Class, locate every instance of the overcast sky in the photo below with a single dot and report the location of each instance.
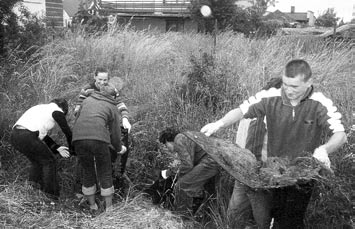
(343, 8)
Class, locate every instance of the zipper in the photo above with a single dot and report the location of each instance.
(293, 113)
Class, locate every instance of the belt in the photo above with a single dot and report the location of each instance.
(19, 127)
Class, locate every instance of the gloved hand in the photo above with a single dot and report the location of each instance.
(126, 124)
(211, 128)
(64, 151)
(321, 155)
(123, 150)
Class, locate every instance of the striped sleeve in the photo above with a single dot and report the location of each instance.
(329, 115)
(253, 100)
(123, 109)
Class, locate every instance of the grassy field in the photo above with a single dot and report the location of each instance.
(158, 70)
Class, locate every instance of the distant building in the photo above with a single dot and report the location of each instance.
(162, 15)
(50, 10)
(57, 13)
(298, 19)
(306, 18)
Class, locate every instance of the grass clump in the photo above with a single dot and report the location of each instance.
(171, 79)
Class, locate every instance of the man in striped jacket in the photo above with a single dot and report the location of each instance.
(296, 117)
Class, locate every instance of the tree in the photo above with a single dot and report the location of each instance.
(327, 19)
(8, 21)
(229, 15)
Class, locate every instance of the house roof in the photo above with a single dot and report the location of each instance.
(278, 15)
(71, 7)
(301, 17)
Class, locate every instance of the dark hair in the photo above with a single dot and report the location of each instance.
(298, 67)
(100, 69)
(62, 103)
(168, 135)
(273, 82)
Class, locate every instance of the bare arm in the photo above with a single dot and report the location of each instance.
(335, 141)
(230, 118)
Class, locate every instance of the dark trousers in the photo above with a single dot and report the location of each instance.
(44, 169)
(290, 205)
(79, 171)
(95, 159)
(191, 183)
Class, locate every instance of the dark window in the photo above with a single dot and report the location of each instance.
(175, 25)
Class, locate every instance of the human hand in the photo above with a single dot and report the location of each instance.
(64, 151)
(211, 128)
(126, 124)
(123, 150)
(321, 155)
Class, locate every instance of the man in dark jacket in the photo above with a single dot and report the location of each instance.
(95, 130)
(296, 116)
(195, 170)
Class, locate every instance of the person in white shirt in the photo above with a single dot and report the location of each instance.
(30, 137)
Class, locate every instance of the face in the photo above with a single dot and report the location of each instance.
(101, 79)
(295, 88)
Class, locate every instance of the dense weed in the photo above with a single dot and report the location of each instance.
(170, 79)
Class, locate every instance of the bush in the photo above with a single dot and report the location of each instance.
(171, 80)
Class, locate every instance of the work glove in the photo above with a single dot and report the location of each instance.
(211, 128)
(123, 150)
(126, 124)
(63, 151)
(321, 155)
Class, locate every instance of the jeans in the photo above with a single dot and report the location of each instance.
(240, 202)
(95, 159)
(44, 168)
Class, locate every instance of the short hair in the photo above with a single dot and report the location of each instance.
(168, 135)
(100, 69)
(62, 103)
(298, 67)
(109, 89)
(275, 82)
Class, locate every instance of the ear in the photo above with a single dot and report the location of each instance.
(309, 82)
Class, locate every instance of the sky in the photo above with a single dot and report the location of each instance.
(343, 8)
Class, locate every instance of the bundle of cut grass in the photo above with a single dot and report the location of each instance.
(243, 166)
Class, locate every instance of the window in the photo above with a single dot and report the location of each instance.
(175, 25)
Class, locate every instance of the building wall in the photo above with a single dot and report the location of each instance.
(54, 13)
(52, 10)
(160, 24)
(311, 18)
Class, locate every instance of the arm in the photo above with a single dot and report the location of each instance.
(251, 108)
(115, 131)
(124, 114)
(59, 117)
(230, 118)
(335, 142)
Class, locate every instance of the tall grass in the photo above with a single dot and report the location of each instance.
(154, 67)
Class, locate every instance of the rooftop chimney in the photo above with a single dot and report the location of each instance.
(292, 9)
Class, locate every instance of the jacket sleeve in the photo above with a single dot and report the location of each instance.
(59, 117)
(122, 108)
(329, 118)
(84, 93)
(115, 130)
(255, 106)
(53, 146)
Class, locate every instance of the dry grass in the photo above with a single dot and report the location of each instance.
(152, 66)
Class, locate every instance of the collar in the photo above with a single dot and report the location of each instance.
(104, 97)
(306, 96)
